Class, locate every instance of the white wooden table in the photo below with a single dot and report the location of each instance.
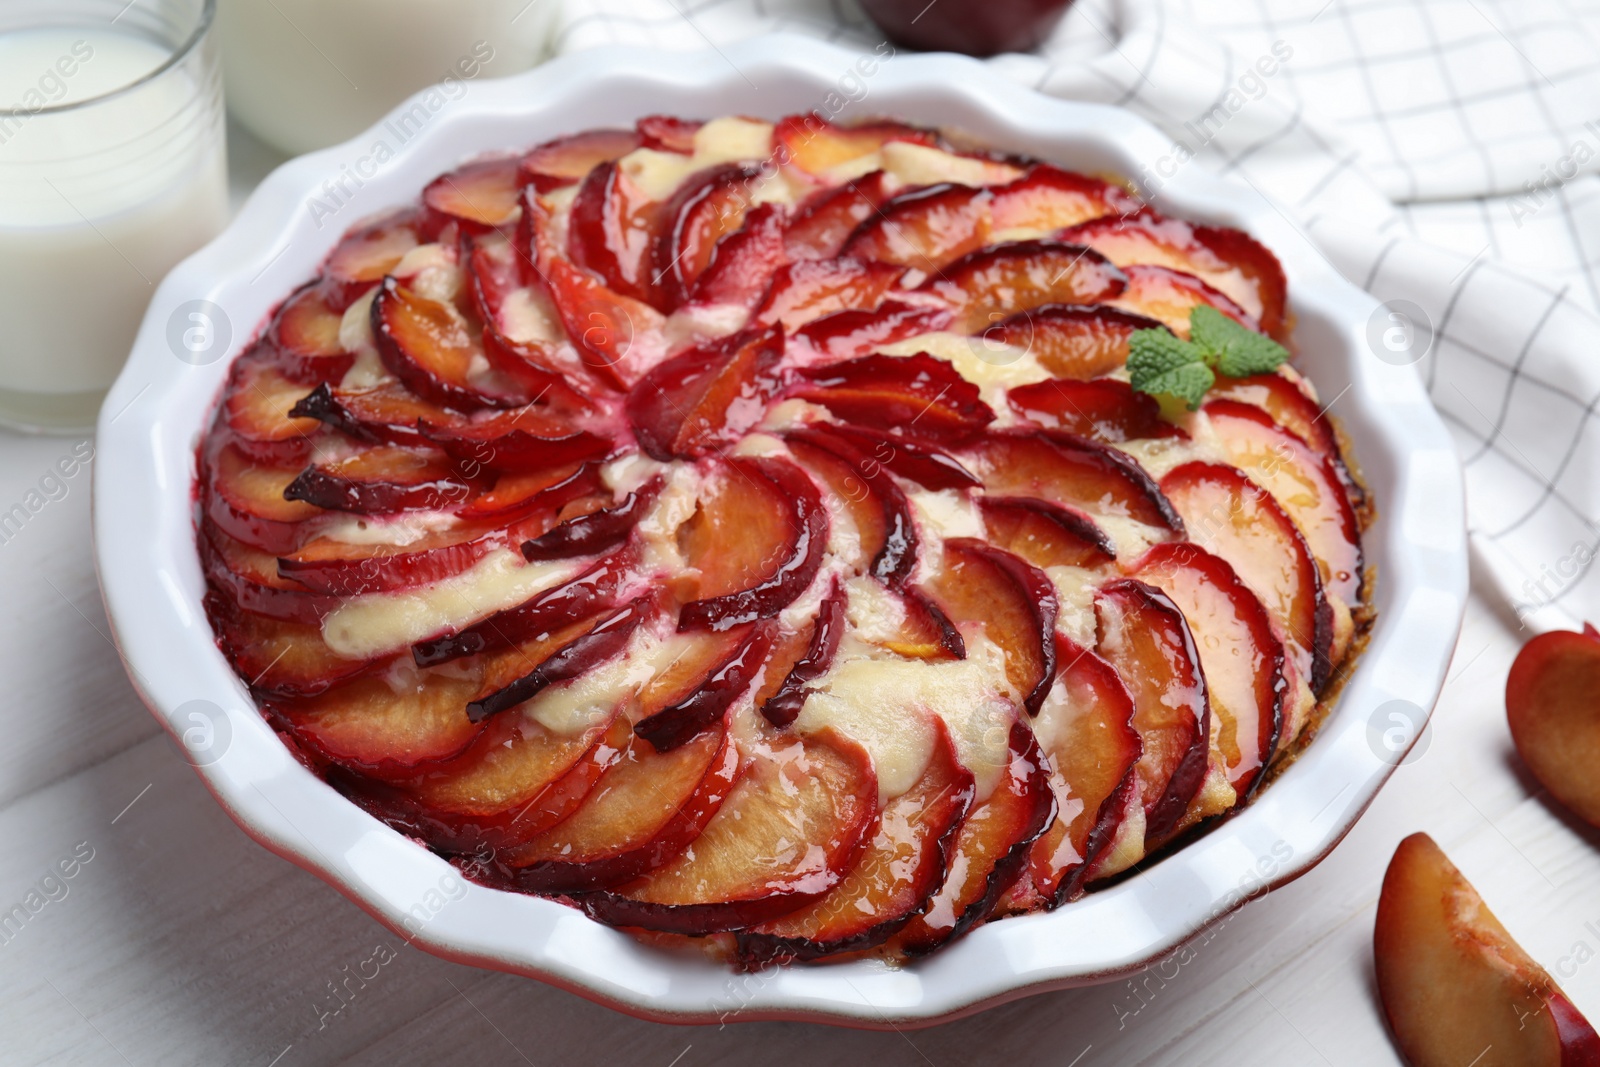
(182, 942)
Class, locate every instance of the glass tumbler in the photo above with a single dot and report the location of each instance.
(113, 167)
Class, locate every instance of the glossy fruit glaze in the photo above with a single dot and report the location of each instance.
(747, 532)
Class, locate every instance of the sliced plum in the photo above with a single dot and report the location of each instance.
(1087, 732)
(783, 704)
(382, 479)
(1145, 638)
(994, 283)
(819, 229)
(1229, 260)
(786, 834)
(900, 866)
(568, 160)
(1242, 658)
(1049, 198)
(847, 334)
(708, 397)
(646, 809)
(482, 195)
(306, 335)
(590, 593)
(1231, 516)
(1107, 409)
(808, 289)
(1013, 601)
(1065, 469)
(1044, 533)
(926, 229)
(727, 678)
(1304, 482)
(246, 501)
(1071, 341)
(918, 395)
(432, 349)
(990, 851)
(364, 255)
(757, 540)
(596, 644)
(1170, 296)
(277, 657)
(816, 145)
(612, 231)
(258, 409)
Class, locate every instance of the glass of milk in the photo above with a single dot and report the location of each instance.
(305, 74)
(112, 169)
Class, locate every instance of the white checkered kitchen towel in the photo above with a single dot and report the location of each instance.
(1442, 153)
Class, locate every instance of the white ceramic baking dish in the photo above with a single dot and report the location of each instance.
(144, 537)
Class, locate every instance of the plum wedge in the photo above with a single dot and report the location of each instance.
(1073, 470)
(1550, 707)
(1072, 341)
(1290, 406)
(847, 334)
(480, 196)
(1144, 636)
(365, 723)
(990, 851)
(809, 289)
(878, 450)
(885, 530)
(925, 229)
(1086, 731)
(785, 835)
(1013, 601)
(1106, 409)
(277, 657)
(744, 263)
(251, 577)
(365, 255)
(525, 676)
(1170, 296)
(994, 283)
(431, 348)
(593, 591)
(260, 412)
(645, 809)
(816, 145)
(306, 336)
(919, 396)
(381, 480)
(1046, 534)
(1242, 658)
(1305, 483)
(612, 232)
(1049, 198)
(706, 397)
(782, 534)
(735, 663)
(900, 866)
(568, 160)
(246, 501)
(705, 210)
(1456, 988)
(1229, 260)
(516, 779)
(1229, 515)
(780, 701)
(819, 227)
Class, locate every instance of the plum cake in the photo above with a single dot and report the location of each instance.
(805, 539)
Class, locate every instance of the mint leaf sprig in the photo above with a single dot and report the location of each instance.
(1163, 364)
